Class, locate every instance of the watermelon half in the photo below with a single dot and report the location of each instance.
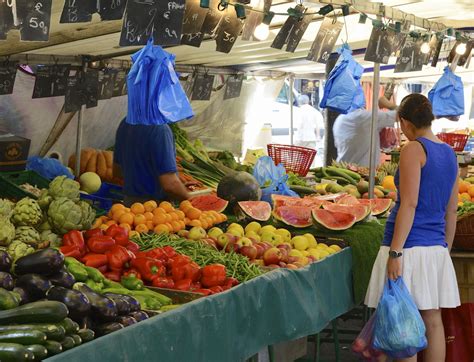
(296, 216)
(311, 202)
(378, 206)
(209, 203)
(348, 200)
(333, 220)
(359, 211)
(256, 210)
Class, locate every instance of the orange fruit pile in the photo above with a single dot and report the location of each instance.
(466, 192)
(162, 218)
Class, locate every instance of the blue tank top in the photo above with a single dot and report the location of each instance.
(436, 184)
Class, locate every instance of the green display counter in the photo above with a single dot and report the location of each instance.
(279, 306)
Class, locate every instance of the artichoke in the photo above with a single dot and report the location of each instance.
(6, 208)
(27, 235)
(88, 215)
(44, 199)
(62, 186)
(7, 231)
(26, 213)
(17, 249)
(44, 226)
(65, 215)
(51, 238)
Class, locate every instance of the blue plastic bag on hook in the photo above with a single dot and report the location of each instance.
(49, 168)
(155, 95)
(343, 92)
(447, 95)
(399, 330)
(272, 179)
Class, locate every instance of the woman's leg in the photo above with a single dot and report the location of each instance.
(436, 351)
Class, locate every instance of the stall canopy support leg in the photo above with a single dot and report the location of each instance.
(374, 129)
(291, 101)
(77, 171)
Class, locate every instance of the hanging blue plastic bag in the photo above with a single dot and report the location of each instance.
(48, 167)
(399, 330)
(447, 95)
(272, 178)
(343, 91)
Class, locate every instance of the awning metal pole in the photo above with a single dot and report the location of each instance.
(291, 101)
(374, 129)
(77, 171)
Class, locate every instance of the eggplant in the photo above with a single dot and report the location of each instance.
(123, 306)
(102, 308)
(133, 302)
(126, 320)
(35, 285)
(24, 298)
(62, 279)
(5, 261)
(106, 328)
(139, 315)
(45, 262)
(75, 301)
(6, 281)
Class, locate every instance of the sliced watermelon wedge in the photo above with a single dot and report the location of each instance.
(348, 200)
(378, 206)
(359, 211)
(256, 210)
(296, 216)
(333, 220)
(209, 202)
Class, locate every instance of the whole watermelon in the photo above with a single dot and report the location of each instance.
(239, 186)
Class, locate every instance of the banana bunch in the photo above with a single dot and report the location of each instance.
(341, 176)
(363, 171)
(386, 169)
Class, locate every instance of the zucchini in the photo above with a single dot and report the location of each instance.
(38, 350)
(30, 356)
(36, 312)
(53, 347)
(52, 331)
(13, 352)
(67, 343)
(23, 337)
(69, 325)
(77, 339)
(86, 334)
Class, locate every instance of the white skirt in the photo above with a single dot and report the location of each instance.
(428, 273)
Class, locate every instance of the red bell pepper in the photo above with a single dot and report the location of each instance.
(156, 253)
(178, 260)
(183, 284)
(148, 268)
(93, 232)
(95, 260)
(113, 275)
(213, 275)
(186, 271)
(114, 230)
(203, 291)
(163, 282)
(232, 282)
(118, 257)
(75, 238)
(100, 244)
(71, 250)
(103, 269)
(169, 251)
(133, 247)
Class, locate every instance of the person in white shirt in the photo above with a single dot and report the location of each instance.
(352, 133)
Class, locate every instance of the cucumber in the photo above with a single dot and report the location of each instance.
(36, 312)
(69, 325)
(38, 350)
(30, 356)
(13, 352)
(53, 347)
(77, 339)
(86, 334)
(302, 190)
(52, 331)
(23, 337)
(67, 343)
(334, 171)
(352, 174)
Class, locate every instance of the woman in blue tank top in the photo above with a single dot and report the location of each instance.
(420, 230)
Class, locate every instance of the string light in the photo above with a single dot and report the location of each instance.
(425, 47)
(262, 31)
(461, 48)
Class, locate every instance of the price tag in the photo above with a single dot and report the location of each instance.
(233, 86)
(6, 19)
(120, 84)
(297, 33)
(436, 52)
(282, 36)
(7, 78)
(51, 80)
(112, 9)
(213, 18)
(74, 98)
(91, 88)
(227, 31)
(35, 16)
(193, 21)
(169, 22)
(410, 58)
(202, 87)
(463, 58)
(325, 40)
(381, 45)
(106, 83)
(192, 39)
(253, 19)
(78, 11)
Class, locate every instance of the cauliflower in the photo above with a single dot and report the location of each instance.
(7, 231)
(26, 213)
(64, 215)
(28, 235)
(17, 249)
(62, 186)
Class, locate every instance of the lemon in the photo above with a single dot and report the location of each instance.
(237, 226)
(335, 247)
(311, 239)
(235, 231)
(265, 228)
(315, 253)
(215, 232)
(300, 243)
(305, 253)
(296, 253)
(331, 251)
(323, 254)
(285, 234)
(253, 226)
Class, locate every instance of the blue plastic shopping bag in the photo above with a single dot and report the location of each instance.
(272, 178)
(49, 168)
(399, 330)
(447, 95)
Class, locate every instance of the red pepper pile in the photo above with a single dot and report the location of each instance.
(115, 255)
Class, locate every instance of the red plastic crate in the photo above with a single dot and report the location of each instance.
(455, 140)
(295, 159)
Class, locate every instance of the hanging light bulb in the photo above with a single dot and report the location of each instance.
(425, 48)
(262, 31)
(254, 3)
(461, 48)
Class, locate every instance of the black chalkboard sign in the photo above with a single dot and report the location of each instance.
(106, 83)
(91, 88)
(74, 98)
(233, 86)
(6, 19)
(51, 80)
(213, 18)
(193, 21)
(227, 31)
(112, 9)
(169, 22)
(463, 58)
(282, 36)
(78, 11)
(437, 52)
(35, 17)
(120, 84)
(325, 40)
(7, 78)
(410, 58)
(202, 87)
(192, 39)
(380, 45)
(296, 33)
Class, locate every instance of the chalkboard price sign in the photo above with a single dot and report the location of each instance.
(233, 86)
(283, 34)
(381, 45)
(51, 80)
(296, 33)
(6, 19)
(78, 11)
(437, 51)
(74, 98)
(120, 84)
(227, 31)
(202, 87)
(169, 22)
(35, 18)
(91, 88)
(213, 18)
(410, 58)
(193, 21)
(7, 78)
(106, 83)
(112, 9)
(325, 40)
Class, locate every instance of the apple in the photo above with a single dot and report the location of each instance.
(183, 234)
(260, 250)
(245, 241)
(249, 251)
(282, 264)
(235, 232)
(285, 246)
(291, 266)
(284, 255)
(273, 266)
(215, 232)
(304, 260)
(258, 262)
(298, 264)
(272, 256)
(233, 245)
(292, 259)
(197, 233)
(210, 242)
(224, 239)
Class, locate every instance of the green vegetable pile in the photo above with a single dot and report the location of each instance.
(295, 180)
(237, 265)
(466, 208)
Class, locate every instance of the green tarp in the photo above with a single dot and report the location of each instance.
(279, 306)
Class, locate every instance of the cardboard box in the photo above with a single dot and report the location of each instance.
(13, 152)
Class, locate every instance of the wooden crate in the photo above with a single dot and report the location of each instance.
(464, 266)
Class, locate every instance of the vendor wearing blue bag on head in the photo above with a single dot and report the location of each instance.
(420, 230)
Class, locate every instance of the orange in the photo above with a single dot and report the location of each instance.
(111, 222)
(126, 218)
(126, 226)
(149, 225)
(223, 218)
(159, 219)
(118, 214)
(138, 208)
(193, 213)
(104, 218)
(148, 216)
(166, 206)
(204, 224)
(174, 216)
(183, 225)
(110, 214)
(194, 223)
(150, 205)
(168, 218)
(470, 190)
(176, 226)
(210, 221)
(463, 186)
(161, 229)
(159, 210)
(181, 215)
(116, 207)
(139, 219)
(185, 205)
(465, 197)
(186, 221)
(141, 228)
(170, 227)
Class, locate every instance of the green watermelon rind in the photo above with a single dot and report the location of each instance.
(318, 222)
(248, 213)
